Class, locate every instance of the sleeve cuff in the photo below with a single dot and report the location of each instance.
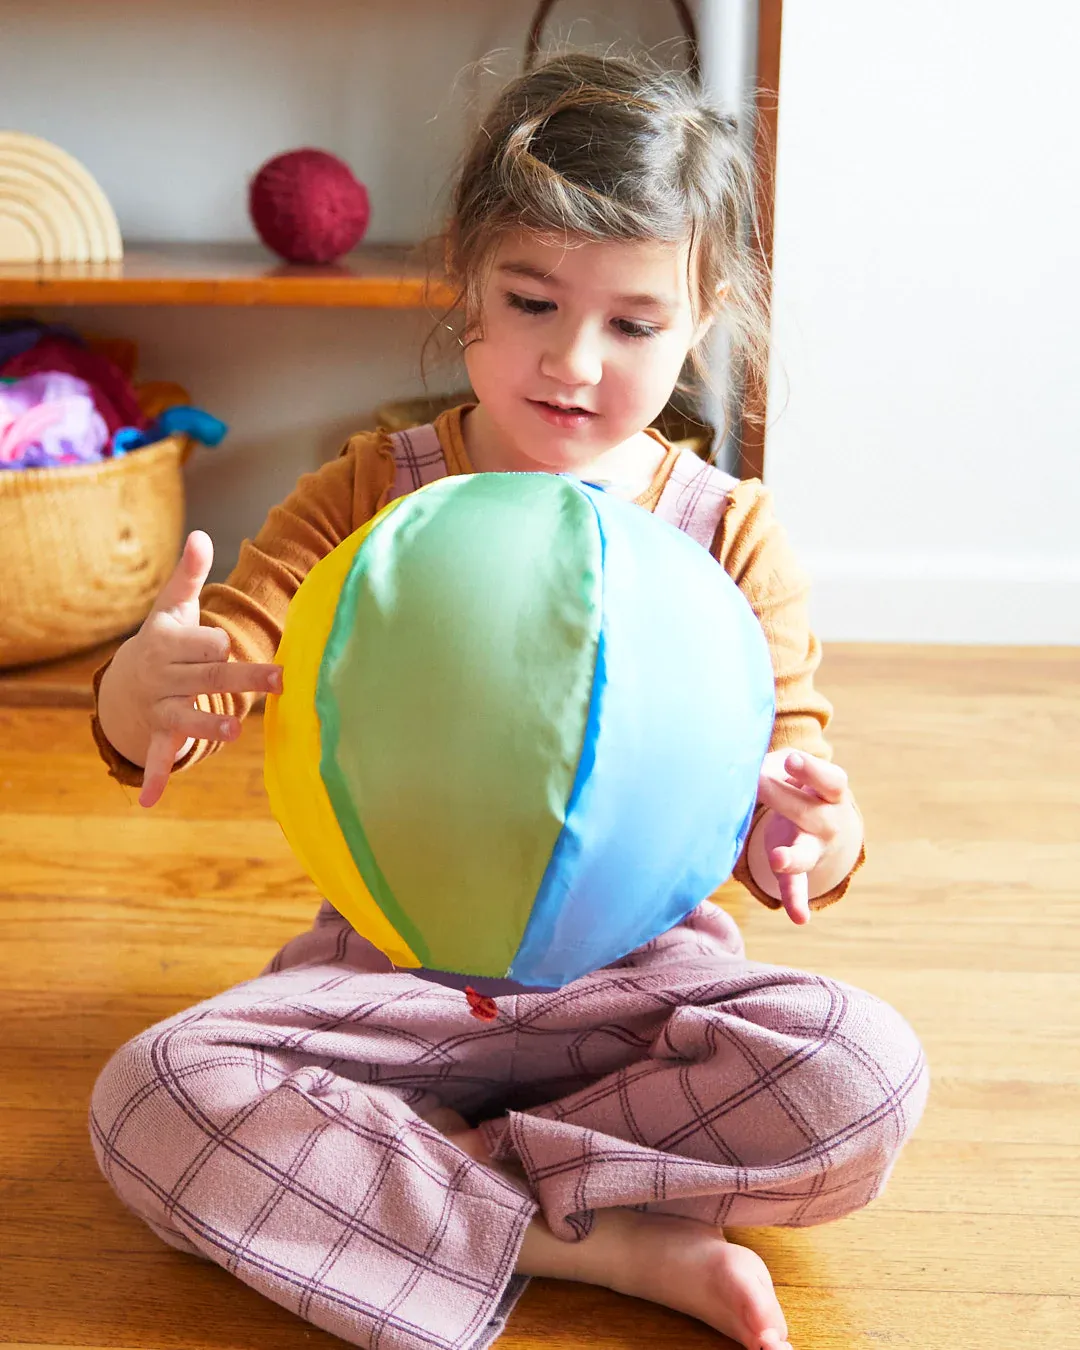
(120, 768)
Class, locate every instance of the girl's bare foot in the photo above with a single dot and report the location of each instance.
(446, 1121)
(680, 1263)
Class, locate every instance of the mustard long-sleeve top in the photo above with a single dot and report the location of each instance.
(327, 506)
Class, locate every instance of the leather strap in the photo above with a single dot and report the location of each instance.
(682, 10)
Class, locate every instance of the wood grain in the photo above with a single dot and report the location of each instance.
(380, 276)
(966, 916)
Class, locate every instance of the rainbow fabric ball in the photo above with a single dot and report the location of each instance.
(521, 727)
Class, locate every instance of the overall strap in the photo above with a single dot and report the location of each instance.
(418, 460)
(695, 498)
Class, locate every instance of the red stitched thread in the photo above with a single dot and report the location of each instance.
(481, 1007)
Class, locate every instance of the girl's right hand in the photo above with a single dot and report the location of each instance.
(146, 704)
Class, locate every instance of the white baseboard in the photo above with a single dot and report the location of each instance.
(976, 599)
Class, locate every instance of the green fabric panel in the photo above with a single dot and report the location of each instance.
(454, 696)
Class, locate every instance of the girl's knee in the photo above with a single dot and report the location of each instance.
(864, 1090)
(156, 1103)
(120, 1086)
(842, 1048)
(119, 1105)
(881, 1059)
(839, 1079)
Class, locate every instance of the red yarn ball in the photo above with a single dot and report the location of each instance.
(308, 207)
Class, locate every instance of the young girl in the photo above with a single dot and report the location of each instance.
(342, 1135)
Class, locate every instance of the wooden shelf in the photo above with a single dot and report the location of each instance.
(378, 276)
(67, 683)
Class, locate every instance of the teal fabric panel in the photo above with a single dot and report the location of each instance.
(453, 700)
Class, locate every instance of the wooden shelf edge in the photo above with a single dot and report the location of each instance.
(379, 276)
(66, 683)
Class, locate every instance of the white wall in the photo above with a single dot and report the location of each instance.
(924, 441)
(172, 105)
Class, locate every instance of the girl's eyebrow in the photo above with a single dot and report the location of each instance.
(524, 269)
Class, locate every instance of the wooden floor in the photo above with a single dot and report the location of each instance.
(967, 917)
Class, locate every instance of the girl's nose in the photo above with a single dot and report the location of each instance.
(572, 358)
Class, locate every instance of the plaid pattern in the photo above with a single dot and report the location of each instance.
(418, 460)
(276, 1128)
(695, 498)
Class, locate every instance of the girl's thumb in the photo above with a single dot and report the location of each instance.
(189, 575)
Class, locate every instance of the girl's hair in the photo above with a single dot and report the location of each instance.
(587, 147)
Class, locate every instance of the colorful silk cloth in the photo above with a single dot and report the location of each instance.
(113, 392)
(277, 1129)
(49, 419)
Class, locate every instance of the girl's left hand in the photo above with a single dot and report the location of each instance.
(811, 827)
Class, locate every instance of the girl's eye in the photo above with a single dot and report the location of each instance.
(635, 330)
(530, 306)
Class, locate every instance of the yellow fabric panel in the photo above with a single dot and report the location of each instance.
(298, 797)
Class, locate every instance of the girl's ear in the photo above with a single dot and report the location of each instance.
(703, 327)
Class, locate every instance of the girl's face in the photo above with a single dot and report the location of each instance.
(603, 327)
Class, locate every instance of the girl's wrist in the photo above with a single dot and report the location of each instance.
(114, 704)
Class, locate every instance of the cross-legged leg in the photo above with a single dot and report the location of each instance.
(275, 1130)
(681, 1263)
(735, 1093)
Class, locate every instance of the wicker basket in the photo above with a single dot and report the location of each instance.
(679, 429)
(85, 549)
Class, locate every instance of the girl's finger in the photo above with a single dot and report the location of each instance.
(202, 644)
(828, 781)
(804, 809)
(189, 575)
(224, 677)
(160, 758)
(179, 718)
(802, 855)
(795, 897)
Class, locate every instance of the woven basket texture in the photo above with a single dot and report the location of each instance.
(85, 549)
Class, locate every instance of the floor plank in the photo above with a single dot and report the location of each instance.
(966, 916)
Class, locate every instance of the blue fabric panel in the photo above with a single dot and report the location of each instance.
(680, 718)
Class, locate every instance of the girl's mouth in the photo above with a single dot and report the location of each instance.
(562, 417)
